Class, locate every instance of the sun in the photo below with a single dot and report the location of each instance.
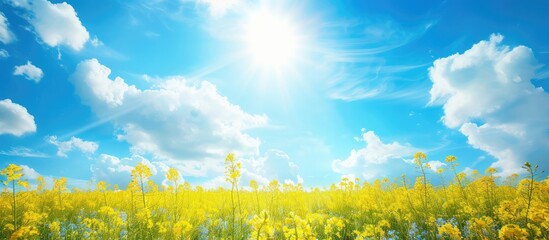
(271, 40)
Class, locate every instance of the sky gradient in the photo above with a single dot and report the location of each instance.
(300, 91)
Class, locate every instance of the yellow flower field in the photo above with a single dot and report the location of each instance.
(474, 206)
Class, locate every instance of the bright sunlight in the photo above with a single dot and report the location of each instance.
(272, 41)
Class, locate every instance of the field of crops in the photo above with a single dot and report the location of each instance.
(473, 206)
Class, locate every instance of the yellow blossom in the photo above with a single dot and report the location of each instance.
(450, 231)
(512, 231)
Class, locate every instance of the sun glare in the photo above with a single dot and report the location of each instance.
(271, 40)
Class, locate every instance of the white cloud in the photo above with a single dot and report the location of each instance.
(116, 170)
(291, 182)
(15, 119)
(218, 8)
(29, 173)
(177, 120)
(6, 36)
(300, 179)
(96, 42)
(29, 71)
(92, 83)
(4, 53)
(21, 3)
(435, 165)
(487, 94)
(468, 171)
(24, 152)
(74, 143)
(273, 164)
(55, 23)
(375, 159)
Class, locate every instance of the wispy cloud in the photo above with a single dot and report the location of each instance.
(381, 82)
(6, 36)
(4, 53)
(24, 152)
(362, 67)
(542, 74)
(159, 11)
(354, 40)
(218, 8)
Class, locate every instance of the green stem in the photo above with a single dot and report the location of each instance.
(424, 188)
(259, 230)
(239, 209)
(530, 192)
(295, 228)
(459, 182)
(14, 206)
(257, 200)
(233, 211)
(142, 191)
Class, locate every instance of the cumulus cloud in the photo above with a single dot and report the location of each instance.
(92, 83)
(15, 119)
(29, 173)
(29, 71)
(55, 23)
(273, 164)
(6, 36)
(261, 176)
(435, 165)
(375, 159)
(63, 148)
(116, 170)
(486, 92)
(177, 120)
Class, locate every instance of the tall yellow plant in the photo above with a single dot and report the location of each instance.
(232, 175)
(13, 174)
(140, 173)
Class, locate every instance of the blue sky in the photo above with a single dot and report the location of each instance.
(305, 91)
